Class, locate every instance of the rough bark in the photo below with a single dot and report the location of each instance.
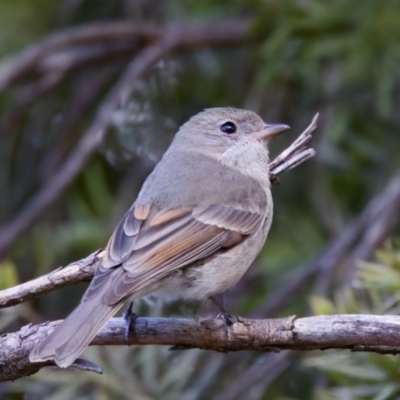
(379, 334)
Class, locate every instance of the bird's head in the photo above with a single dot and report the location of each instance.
(234, 136)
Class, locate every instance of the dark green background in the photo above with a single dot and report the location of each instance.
(340, 58)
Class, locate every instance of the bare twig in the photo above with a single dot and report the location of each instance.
(296, 153)
(82, 270)
(293, 161)
(379, 334)
(78, 271)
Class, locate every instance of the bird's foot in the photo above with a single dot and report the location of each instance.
(228, 319)
(130, 318)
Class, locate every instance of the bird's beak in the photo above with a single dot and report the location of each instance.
(270, 131)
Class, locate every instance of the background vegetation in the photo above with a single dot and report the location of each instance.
(337, 57)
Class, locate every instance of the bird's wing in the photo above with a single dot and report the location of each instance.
(147, 246)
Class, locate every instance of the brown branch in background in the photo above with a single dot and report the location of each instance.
(174, 38)
(295, 283)
(39, 59)
(85, 45)
(27, 96)
(83, 269)
(379, 334)
(374, 221)
(368, 230)
(382, 211)
(261, 374)
(87, 145)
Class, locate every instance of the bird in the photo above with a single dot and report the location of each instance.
(200, 219)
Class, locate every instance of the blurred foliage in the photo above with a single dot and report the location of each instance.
(337, 57)
(22, 21)
(9, 276)
(362, 376)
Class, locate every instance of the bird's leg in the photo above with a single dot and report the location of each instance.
(224, 315)
(228, 318)
(130, 318)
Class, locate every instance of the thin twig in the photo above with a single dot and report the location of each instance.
(293, 161)
(379, 334)
(297, 147)
(75, 272)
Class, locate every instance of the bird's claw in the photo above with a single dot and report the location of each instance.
(228, 318)
(130, 318)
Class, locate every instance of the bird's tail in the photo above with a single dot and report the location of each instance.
(66, 343)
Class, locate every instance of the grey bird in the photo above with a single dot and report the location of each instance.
(200, 220)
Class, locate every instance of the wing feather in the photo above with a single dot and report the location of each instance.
(160, 266)
(229, 218)
(141, 252)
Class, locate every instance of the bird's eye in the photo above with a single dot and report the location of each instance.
(228, 127)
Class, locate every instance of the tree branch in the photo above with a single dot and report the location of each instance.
(83, 270)
(369, 226)
(379, 334)
(296, 153)
(75, 272)
(84, 45)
